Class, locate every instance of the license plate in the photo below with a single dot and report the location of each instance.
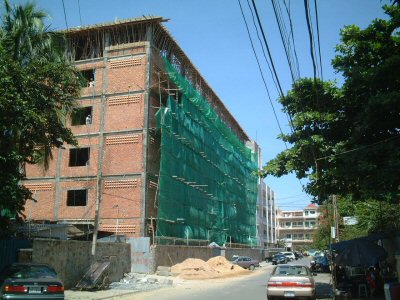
(35, 290)
(288, 294)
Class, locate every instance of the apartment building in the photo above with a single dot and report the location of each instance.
(296, 227)
(159, 154)
(266, 216)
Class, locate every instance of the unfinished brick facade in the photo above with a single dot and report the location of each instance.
(117, 161)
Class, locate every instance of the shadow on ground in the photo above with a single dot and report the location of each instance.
(324, 290)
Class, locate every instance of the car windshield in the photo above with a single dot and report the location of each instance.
(291, 271)
(27, 271)
(279, 256)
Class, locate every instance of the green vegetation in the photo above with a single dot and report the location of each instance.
(346, 140)
(372, 217)
(37, 89)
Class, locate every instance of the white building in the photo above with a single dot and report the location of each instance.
(296, 227)
(266, 216)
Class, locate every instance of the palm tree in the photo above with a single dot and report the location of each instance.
(25, 35)
(38, 87)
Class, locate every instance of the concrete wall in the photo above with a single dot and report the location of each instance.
(72, 258)
(168, 255)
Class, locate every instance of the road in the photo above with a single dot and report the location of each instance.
(251, 286)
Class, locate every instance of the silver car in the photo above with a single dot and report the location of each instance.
(290, 281)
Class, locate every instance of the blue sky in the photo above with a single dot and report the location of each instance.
(213, 35)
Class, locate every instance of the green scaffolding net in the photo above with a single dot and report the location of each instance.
(207, 181)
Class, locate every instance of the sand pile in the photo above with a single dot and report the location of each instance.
(194, 268)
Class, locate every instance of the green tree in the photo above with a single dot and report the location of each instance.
(37, 90)
(346, 140)
(322, 235)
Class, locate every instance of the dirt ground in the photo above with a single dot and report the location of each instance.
(195, 274)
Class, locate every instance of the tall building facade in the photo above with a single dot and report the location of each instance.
(159, 154)
(296, 227)
(266, 216)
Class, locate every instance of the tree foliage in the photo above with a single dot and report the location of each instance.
(346, 140)
(37, 89)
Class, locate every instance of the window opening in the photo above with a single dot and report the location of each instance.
(81, 116)
(76, 197)
(87, 77)
(79, 157)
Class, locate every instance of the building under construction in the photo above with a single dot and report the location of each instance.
(159, 154)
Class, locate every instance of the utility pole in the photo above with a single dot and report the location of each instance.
(336, 217)
(96, 217)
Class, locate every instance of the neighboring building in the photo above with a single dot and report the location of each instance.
(266, 221)
(296, 227)
(266, 217)
(159, 154)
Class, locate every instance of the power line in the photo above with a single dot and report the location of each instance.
(259, 67)
(319, 42)
(281, 33)
(65, 15)
(268, 51)
(284, 37)
(359, 148)
(262, 47)
(79, 8)
(306, 7)
(292, 36)
(272, 62)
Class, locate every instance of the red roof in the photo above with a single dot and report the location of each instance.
(312, 205)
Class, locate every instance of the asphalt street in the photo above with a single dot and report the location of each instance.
(237, 288)
(242, 287)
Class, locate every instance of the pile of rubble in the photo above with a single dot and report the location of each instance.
(140, 282)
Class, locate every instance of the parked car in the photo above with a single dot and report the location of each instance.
(279, 259)
(246, 262)
(30, 281)
(320, 264)
(289, 255)
(291, 281)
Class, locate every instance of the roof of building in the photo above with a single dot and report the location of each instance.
(312, 205)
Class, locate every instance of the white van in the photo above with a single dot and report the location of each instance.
(289, 255)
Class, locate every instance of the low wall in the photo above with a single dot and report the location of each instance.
(71, 259)
(168, 255)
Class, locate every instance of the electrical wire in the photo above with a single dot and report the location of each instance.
(283, 35)
(318, 35)
(65, 14)
(262, 47)
(359, 148)
(259, 67)
(306, 7)
(79, 9)
(275, 73)
(292, 36)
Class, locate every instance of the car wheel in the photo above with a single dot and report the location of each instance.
(251, 267)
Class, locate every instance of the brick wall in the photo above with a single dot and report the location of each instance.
(123, 77)
(43, 208)
(38, 170)
(123, 154)
(124, 112)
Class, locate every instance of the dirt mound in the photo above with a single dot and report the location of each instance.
(223, 265)
(216, 267)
